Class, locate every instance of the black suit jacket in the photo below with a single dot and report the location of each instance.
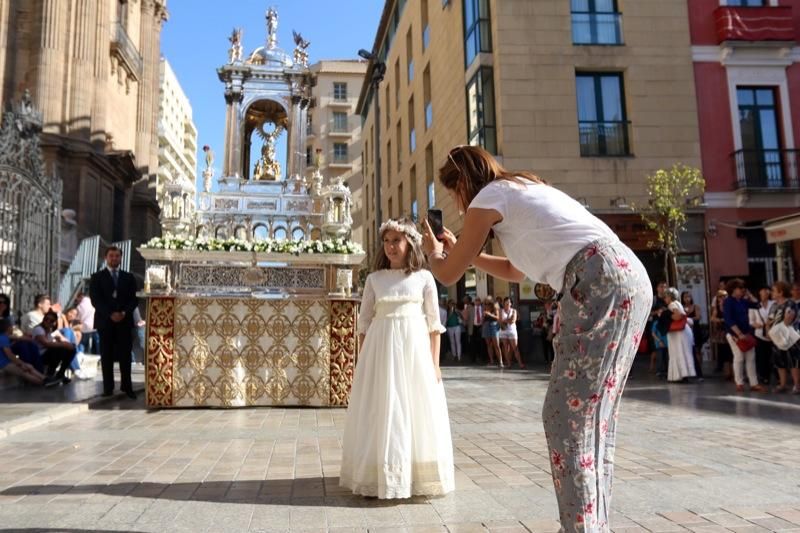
(101, 292)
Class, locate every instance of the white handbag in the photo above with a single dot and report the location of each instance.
(783, 336)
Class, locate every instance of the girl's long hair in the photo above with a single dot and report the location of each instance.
(415, 259)
(469, 169)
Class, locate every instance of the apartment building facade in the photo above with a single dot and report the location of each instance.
(334, 129)
(177, 153)
(747, 71)
(592, 95)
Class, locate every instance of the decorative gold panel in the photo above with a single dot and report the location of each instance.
(160, 352)
(344, 314)
(238, 352)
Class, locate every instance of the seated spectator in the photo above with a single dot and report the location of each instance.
(31, 319)
(10, 363)
(54, 347)
(5, 308)
(72, 334)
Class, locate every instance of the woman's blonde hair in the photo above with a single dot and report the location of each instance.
(674, 295)
(415, 258)
(469, 169)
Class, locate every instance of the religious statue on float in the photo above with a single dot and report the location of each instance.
(272, 28)
(236, 50)
(300, 50)
(268, 167)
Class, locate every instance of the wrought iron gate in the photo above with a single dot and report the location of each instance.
(30, 210)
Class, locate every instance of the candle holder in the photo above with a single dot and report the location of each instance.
(344, 281)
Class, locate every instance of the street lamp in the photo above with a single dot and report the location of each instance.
(378, 72)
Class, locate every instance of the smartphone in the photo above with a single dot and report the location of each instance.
(436, 221)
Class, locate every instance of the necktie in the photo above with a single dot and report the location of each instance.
(115, 277)
(479, 314)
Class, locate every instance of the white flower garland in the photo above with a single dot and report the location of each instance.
(327, 246)
(409, 231)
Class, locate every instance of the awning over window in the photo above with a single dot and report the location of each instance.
(783, 229)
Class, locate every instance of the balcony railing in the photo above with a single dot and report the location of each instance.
(341, 127)
(340, 159)
(767, 169)
(754, 24)
(340, 98)
(122, 46)
(597, 28)
(604, 138)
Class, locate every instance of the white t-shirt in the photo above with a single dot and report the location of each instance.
(30, 320)
(542, 228)
(86, 314)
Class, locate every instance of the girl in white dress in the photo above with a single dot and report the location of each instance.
(680, 344)
(397, 441)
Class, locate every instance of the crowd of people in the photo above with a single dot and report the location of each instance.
(752, 340)
(45, 346)
(482, 331)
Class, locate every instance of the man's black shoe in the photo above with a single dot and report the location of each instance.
(130, 394)
(107, 394)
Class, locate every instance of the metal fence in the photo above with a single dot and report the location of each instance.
(30, 210)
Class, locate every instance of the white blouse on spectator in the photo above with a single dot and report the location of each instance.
(542, 228)
(86, 314)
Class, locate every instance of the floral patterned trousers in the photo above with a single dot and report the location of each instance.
(603, 309)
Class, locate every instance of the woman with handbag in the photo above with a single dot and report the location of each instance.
(679, 340)
(694, 316)
(786, 354)
(758, 321)
(740, 337)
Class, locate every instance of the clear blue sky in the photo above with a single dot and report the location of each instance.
(195, 42)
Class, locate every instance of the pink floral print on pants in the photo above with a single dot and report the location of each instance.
(604, 306)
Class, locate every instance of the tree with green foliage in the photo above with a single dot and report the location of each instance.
(672, 193)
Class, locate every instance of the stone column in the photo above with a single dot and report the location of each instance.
(49, 63)
(147, 108)
(292, 137)
(100, 74)
(160, 16)
(231, 104)
(303, 138)
(5, 48)
(81, 82)
(234, 135)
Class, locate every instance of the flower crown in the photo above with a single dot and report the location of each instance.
(409, 231)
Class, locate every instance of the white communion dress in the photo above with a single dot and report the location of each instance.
(397, 441)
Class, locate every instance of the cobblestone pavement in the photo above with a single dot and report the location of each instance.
(689, 457)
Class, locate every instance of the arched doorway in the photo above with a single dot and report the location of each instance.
(265, 141)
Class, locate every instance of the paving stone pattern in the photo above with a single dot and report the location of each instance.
(689, 457)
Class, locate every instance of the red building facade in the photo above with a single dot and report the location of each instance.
(747, 75)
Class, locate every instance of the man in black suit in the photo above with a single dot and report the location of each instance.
(113, 294)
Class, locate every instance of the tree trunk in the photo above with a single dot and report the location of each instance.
(672, 269)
